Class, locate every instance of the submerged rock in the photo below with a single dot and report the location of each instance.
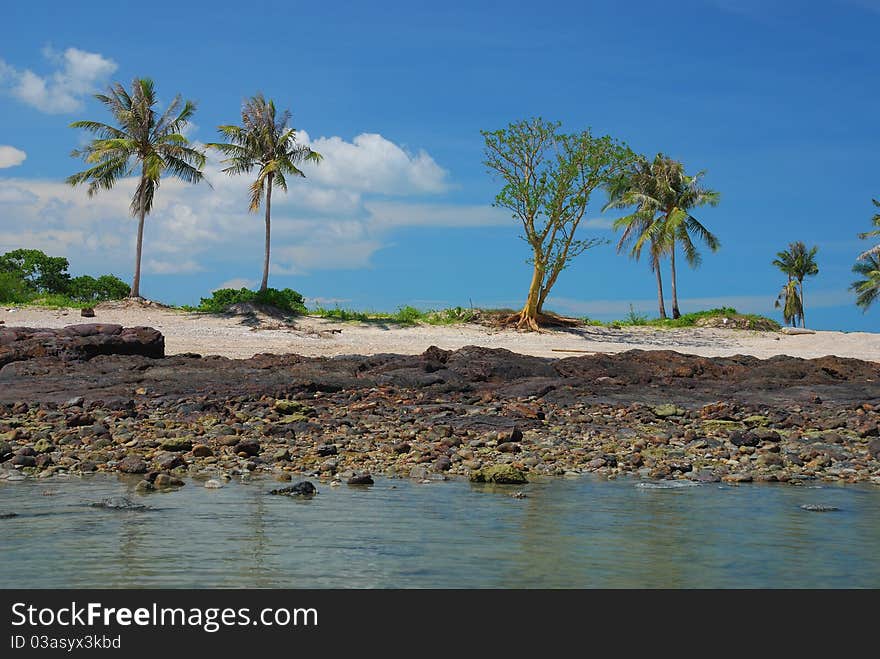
(303, 488)
(118, 503)
(502, 474)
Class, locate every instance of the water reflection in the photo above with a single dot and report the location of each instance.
(565, 533)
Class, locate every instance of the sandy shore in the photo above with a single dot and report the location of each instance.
(239, 338)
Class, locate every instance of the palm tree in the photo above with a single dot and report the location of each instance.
(790, 302)
(663, 196)
(798, 262)
(144, 143)
(868, 266)
(263, 141)
(868, 289)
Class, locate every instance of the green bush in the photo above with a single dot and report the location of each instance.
(106, 287)
(285, 299)
(14, 289)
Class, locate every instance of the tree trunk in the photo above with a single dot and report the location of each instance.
(803, 306)
(136, 282)
(265, 283)
(675, 312)
(528, 317)
(659, 286)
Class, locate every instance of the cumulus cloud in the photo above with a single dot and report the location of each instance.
(371, 163)
(238, 282)
(320, 224)
(10, 156)
(77, 74)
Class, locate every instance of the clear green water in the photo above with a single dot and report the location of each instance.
(566, 534)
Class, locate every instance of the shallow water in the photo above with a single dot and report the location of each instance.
(571, 533)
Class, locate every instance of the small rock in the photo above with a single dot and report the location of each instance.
(202, 451)
(132, 465)
(326, 450)
(303, 488)
(213, 484)
(144, 486)
(87, 312)
(360, 479)
(819, 508)
(501, 474)
(178, 444)
(249, 447)
(166, 480)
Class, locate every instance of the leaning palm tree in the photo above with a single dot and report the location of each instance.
(143, 143)
(663, 196)
(798, 262)
(867, 289)
(266, 142)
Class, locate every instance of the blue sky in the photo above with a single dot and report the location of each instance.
(777, 100)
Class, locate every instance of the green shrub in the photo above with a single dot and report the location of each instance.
(14, 289)
(285, 299)
(106, 287)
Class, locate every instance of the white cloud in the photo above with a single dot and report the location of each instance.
(78, 73)
(10, 156)
(236, 283)
(388, 214)
(371, 163)
(160, 267)
(318, 225)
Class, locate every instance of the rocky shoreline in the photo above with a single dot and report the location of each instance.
(489, 415)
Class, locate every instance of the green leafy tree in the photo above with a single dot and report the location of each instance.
(143, 143)
(263, 141)
(548, 178)
(663, 196)
(45, 274)
(798, 262)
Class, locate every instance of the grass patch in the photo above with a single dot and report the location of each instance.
(406, 315)
(708, 318)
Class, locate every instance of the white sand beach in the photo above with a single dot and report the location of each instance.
(233, 336)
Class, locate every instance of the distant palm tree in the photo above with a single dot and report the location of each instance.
(798, 262)
(867, 289)
(263, 141)
(868, 266)
(663, 196)
(790, 302)
(142, 140)
(873, 233)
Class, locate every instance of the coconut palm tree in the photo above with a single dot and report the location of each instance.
(798, 262)
(663, 196)
(264, 141)
(867, 289)
(790, 302)
(142, 143)
(868, 266)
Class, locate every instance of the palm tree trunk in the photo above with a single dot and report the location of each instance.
(803, 306)
(656, 263)
(675, 312)
(265, 283)
(136, 282)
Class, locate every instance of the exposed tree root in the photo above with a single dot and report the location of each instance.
(543, 321)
